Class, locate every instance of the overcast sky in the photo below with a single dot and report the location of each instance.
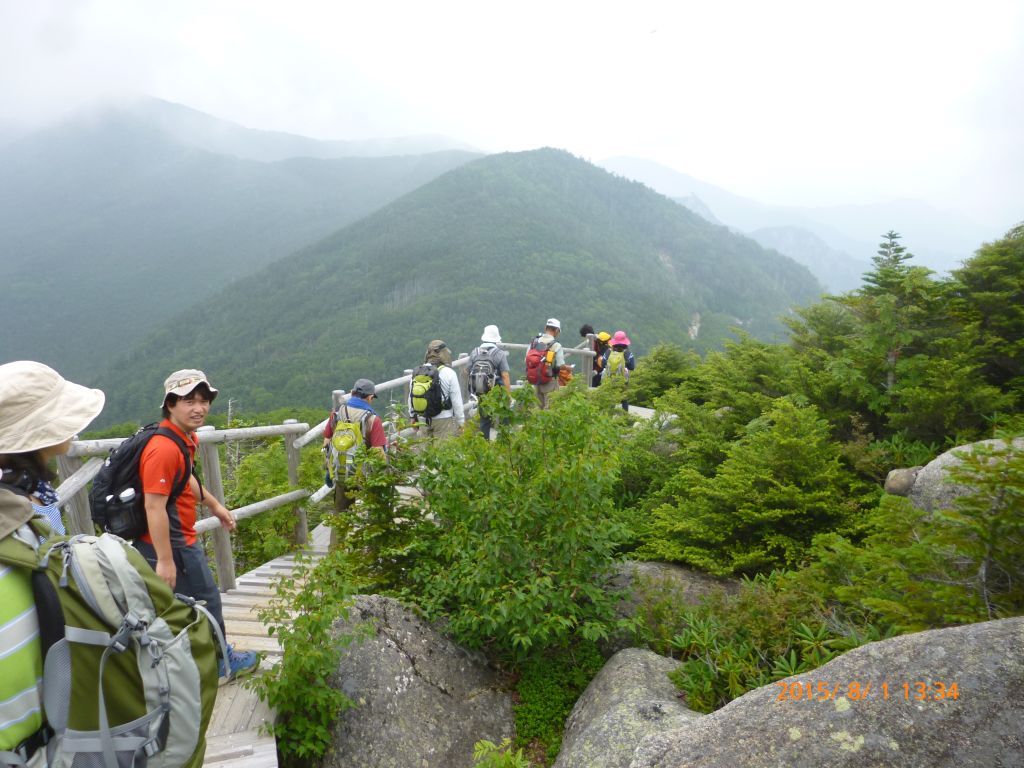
(787, 102)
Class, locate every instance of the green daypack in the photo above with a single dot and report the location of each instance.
(425, 394)
(616, 363)
(348, 435)
(117, 622)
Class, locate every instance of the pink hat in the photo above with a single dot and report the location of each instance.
(620, 337)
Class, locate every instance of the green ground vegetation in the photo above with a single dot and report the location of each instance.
(763, 464)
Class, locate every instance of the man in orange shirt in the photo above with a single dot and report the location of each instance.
(171, 546)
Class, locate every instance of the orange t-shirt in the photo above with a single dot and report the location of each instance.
(162, 463)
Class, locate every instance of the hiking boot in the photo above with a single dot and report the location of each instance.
(240, 663)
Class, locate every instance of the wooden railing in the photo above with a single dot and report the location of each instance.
(85, 458)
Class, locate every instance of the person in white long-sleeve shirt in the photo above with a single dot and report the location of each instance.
(451, 420)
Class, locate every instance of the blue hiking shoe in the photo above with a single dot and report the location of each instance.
(240, 663)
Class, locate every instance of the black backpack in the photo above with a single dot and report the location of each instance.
(425, 395)
(483, 369)
(116, 501)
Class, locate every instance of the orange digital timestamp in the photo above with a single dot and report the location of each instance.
(855, 690)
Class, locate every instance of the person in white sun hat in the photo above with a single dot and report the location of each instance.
(40, 413)
(488, 368)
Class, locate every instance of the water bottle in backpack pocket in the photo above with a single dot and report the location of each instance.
(538, 362)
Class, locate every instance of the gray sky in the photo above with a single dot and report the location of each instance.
(787, 102)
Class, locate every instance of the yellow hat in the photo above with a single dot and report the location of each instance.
(604, 336)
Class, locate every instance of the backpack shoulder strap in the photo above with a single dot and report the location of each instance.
(364, 420)
(179, 487)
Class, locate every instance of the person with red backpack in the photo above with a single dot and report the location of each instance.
(545, 360)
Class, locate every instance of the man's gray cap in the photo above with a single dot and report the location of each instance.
(364, 388)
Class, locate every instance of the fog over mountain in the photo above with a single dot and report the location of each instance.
(940, 240)
(122, 216)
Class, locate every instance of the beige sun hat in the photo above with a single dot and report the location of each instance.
(39, 408)
(182, 382)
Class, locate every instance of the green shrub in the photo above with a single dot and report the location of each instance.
(383, 530)
(770, 629)
(548, 688)
(302, 615)
(522, 533)
(920, 570)
(260, 475)
(780, 484)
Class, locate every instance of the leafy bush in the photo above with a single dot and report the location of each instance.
(384, 530)
(661, 369)
(522, 529)
(781, 483)
(261, 474)
(302, 616)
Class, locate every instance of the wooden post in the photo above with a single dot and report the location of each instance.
(77, 518)
(588, 361)
(294, 457)
(214, 486)
(408, 391)
(463, 371)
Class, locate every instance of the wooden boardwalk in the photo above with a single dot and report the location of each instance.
(235, 738)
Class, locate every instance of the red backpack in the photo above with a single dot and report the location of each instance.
(538, 362)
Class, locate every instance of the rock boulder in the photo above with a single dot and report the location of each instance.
(422, 700)
(629, 699)
(845, 723)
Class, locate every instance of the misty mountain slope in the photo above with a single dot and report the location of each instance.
(838, 271)
(119, 227)
(508, 239)
(939, 239)
(202, 131)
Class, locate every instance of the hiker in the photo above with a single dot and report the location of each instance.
(488, 363)
(618, 361)
(598, 346)
(170, 545)
(545, 361)
(353, 422)
(40, 413)
(435, 395)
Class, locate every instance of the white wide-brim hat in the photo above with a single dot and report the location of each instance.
(491, 334)
(39, 408)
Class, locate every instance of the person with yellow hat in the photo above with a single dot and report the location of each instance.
(599, 345)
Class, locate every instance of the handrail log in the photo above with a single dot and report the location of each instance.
(81, 478)
(251, 510)
(102, 447)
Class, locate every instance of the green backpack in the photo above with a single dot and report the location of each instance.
(616, 363)
(348, 435)
(104, 615)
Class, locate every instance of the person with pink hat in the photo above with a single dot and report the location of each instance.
(618, 361)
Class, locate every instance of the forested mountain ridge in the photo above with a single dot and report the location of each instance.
(509, 239)
(121, 224)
